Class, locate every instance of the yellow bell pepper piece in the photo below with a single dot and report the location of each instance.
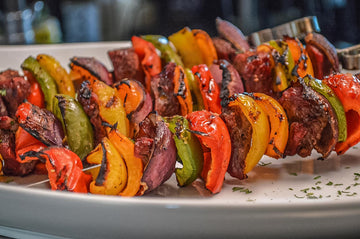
(260, 129)
(134, 165)
(112, 176)
(279, 124)
(111, 107)
(62, 78)
(194, 46)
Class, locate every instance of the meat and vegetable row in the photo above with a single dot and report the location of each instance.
(214, 105)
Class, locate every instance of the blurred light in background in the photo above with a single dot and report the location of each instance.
(53, 21)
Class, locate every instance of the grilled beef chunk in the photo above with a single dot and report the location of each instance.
(160, 158)
(323, 55)
(87, 99)
(224, 49)
(255, 71)
(312, 121)
(162, 86)
(240, 131)
(126, 64)
(3, 110)
(231, 82)
(7, 151)
(14, 90)
(8, 123)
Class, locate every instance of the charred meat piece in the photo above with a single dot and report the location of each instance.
(256, 71)
(240, 131)
(162, 85)
(8, 123)
(312, 121)
(3, 110)
(7, 151)
(231, 82)
(224, 49)
(88, 101)
(160, 158)
(14, 90)
(126, 64)
(322, 54)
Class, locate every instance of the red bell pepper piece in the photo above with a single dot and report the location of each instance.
(210, 91)
(25, 142)
(150, 60)
(65, 170)
(36, 96)
(214, 137)
(347, 88)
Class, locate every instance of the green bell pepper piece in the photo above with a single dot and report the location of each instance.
(168, 53)
(77, 127)
(286, 58)
(198, 103)
(329, 94)
(188, 149)
(47, 83)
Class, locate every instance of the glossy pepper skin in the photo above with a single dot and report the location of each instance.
(329, 94)
(112, 176)
(303, 64)
(134, 165)
(36, 97)
(194, 46)
(347, 89)
(189, 152)
(168, 53)
(77, 127)
(58, 73)
(111, 107)
(64, 169)
(210, 91)
(260, 130)
(150, 61)
(279, 124)
(47, 83)
(196, 96)
(215, 139)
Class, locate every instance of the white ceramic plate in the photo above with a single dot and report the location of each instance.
(286, 198)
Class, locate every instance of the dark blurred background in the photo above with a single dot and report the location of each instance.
(55, 21)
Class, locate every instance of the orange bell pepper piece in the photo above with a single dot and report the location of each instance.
(206, 46)
(210, 91)
(279, 124)
(347, 89)
(214, 137)
(182, 91)
(300, 56)
(112, 176)
(133, 164)
(150, 60)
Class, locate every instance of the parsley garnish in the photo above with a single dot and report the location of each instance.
(317, 177)
(241, 189)
(293, 174)
(329, 183)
